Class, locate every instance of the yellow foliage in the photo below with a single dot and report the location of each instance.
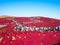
(1, 38)
(13, 38)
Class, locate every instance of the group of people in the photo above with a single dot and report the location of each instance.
(22, 27)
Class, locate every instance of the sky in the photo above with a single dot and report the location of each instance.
(26, 8)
